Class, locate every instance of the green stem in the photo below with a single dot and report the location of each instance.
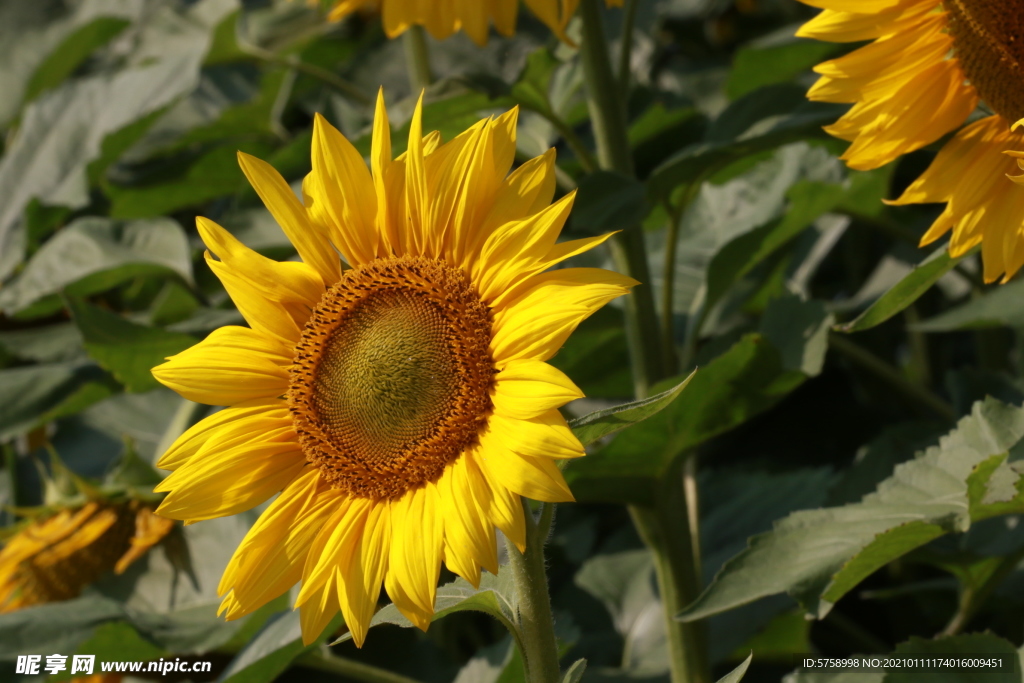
(417, 58)
(534, 620)
(972, 597)
(357, 671)
(666, 528)
(668, 286)
(583, 154)
(890, 375)
(350, 90)
(608, 117)
(668, 533)
(626, 48)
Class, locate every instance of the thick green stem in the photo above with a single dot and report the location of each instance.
(666, 528)
(351, 669)
(417, 58)
(608, 117)
(626, 49)
(534, 620)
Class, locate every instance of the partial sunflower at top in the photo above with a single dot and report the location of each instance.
(442, 18)
(927, 69)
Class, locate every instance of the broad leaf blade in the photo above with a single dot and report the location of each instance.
(819, 555)
(126, 350)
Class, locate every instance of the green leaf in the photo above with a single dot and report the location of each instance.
(575, 672)
(214, 174)
(114, 641)
(593, 426)
(95, 254)
(746, 380)
(838, 547)
(624, 583)
(808, 201)
(74, 50)
(272, 650)
(64, 130)
(35, 394)
(735, 135)
(905, 292)
(128, 351)
(496, 596)
(55, 627)
(775, 59)
(608, 201)
(1000, 307)
(969, 644)
(49, 344)
(737, 674)
(799, 330)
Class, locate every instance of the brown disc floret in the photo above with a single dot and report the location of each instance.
(392, 376)
(988, 36)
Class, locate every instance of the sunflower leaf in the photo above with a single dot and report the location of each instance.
(905, 292)
(736, 675)
(943, 490)
(126, 350)
(95, 254)
(593, 426)
(744, 381)
(998, 308)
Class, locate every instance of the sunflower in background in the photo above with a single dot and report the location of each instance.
(400, 401)
(83, 530)
(59, 553)
(929, 66)
(442, 18)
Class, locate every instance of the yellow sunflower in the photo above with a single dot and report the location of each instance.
(398, 400)
(442, 18)
(53, 558)
(927, 68)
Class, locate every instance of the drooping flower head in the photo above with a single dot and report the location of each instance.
(398, 400)
(56, 555)
(442, 18)
(927, 69)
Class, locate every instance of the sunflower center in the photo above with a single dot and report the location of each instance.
(989, 40)
(392, 376)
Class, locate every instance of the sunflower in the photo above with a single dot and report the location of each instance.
(926, 70)
(399, 400)
(56, 556)
(442, 18)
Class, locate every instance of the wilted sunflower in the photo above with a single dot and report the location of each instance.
(442, 18)
(401, 402)
(929, 65)
(54, 557)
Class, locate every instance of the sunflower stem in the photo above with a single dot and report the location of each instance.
(350, 669)
(666, 526)
(608, 117)
(534, 619)
(626, 48)
(667, 529)
(417, 58)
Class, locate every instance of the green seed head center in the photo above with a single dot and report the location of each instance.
(387, 376)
